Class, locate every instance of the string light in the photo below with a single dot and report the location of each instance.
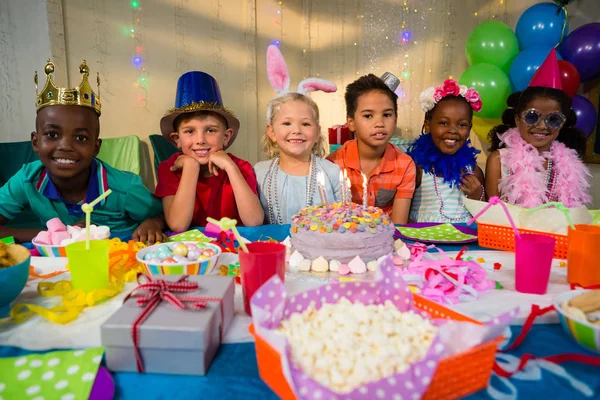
(141, 82)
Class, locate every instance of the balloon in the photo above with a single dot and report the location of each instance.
(569, 78)
(586, 115)
(582, 49)
(492, 42)
(541, 25)
(525, 65)
(492, 84)
(483, 126)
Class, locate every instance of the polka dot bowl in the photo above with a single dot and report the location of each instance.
(13, 279)
(47, 250)
(203, 266)
(584, 333)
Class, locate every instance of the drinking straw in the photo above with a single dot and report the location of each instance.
(87, 209)
(492, 201)
(228, 224)
(560, 207)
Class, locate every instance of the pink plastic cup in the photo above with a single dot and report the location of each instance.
(533, 260)
(261, 262)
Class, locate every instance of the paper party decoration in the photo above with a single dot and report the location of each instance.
(438, 233)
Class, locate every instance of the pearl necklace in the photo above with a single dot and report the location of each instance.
(463, 212)
(272, 190)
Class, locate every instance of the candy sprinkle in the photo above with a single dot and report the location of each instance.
(497, 266)
(480, 260)
(562, 264)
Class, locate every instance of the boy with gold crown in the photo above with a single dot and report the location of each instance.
(68, 173)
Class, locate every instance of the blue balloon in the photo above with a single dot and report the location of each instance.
(541, 25)
(525, 65)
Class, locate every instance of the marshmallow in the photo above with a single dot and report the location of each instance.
(58, 236)
(334, 265)
(101, 232)
(357, 266)
(295, 259)
(43, 238)
(56, 225)
(304, 265)
(73, 230)
(320, 265)
(66, 242)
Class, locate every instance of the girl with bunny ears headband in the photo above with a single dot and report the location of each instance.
(293, 141)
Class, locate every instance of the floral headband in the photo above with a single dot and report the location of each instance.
(430, 97)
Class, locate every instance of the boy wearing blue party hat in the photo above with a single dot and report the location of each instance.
(202, 180)
(68, 173)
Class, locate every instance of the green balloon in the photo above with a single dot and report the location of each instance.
(492, 84)
(492, 42)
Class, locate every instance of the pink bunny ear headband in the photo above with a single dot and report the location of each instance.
(279, 77)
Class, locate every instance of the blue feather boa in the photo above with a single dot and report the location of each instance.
(451, 167)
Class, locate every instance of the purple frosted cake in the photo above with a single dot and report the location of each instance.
(342, 232)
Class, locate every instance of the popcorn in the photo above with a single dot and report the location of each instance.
(356, 343)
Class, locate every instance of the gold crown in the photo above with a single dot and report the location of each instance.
(52, 95)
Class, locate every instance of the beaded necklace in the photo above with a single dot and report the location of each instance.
(272, 190)
(463, 211)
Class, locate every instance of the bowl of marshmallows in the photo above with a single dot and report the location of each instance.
(53, 242)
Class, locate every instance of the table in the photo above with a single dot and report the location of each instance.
(234, 374)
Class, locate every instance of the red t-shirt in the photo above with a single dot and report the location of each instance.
(214, 194)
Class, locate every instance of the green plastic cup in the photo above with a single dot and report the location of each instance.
(89, 267)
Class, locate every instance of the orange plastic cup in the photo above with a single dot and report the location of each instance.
(583, 263)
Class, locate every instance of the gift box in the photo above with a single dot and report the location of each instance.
(339, 134)
(169, 339)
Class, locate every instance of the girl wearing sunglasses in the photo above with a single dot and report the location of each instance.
(537, 153)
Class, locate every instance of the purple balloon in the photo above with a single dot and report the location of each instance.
(586, 115)
(582, 48)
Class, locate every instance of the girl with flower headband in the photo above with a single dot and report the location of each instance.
(445, 159)
(536, 152)
(294, 143)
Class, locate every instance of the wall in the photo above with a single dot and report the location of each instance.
(332, 39)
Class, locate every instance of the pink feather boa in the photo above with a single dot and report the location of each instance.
(525, 185)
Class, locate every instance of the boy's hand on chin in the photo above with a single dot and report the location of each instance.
(150, 231)
(219, 160)
(184, 160)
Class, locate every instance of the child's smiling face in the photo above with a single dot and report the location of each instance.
(374, 120)
(539, 135)
(66, 139)
(201, 136)
(294, 129)
(449, 124)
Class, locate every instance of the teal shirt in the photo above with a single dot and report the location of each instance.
(129, 204)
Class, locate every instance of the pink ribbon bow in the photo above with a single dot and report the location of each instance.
(151, 292)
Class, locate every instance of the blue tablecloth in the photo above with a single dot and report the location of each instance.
(234, 374)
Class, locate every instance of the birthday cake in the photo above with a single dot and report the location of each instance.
(346, 236)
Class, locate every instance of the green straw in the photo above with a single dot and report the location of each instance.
(228, 224)
(87, 209)
(559, 206)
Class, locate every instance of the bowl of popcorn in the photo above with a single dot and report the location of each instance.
(179, 258)
(14, 271)
(579, 314)
(53, 241)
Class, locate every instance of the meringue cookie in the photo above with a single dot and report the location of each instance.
(287, 242)
(334, 265)
(372, 265)
(344, 270)
(398, 244)
(357, 266)
(403, 253)
(304, 265)
(295, 259)
(320, 264)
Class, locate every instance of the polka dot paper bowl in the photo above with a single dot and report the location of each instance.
(47, 250)
(584, 333)
(153, 258)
